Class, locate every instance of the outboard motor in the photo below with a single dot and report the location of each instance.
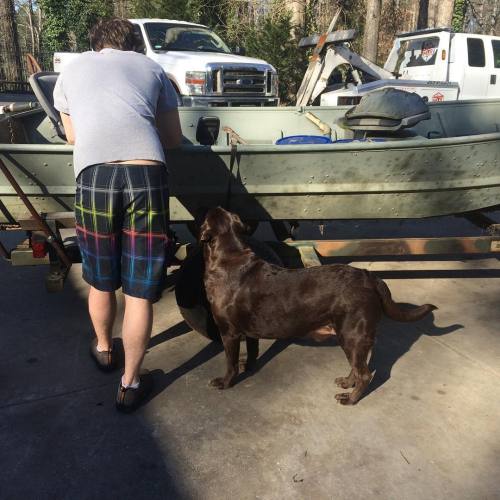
(384, 113)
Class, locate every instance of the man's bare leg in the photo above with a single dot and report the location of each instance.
(136, 332)
(102, 310)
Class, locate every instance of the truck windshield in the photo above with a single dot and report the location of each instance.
(418, 52)
(164, 36)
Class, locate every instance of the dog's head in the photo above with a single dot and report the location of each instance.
(219, 222)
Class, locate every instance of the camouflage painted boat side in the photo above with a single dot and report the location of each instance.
(451, 165)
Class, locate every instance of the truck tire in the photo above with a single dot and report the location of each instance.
(190, 292)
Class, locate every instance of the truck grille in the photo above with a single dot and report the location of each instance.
(243, 80)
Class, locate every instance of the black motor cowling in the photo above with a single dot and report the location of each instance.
(386, 110)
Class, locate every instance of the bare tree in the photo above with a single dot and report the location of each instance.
(397, 16)
(444, 13)
(370, 37)
(9, 45)
(28, 21)
(439, 13)
(432, 9)
(298, 8)
(122, 8)
(412, 8)
(494, 28)
(483, 16)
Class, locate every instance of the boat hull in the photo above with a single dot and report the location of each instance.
(404, 178)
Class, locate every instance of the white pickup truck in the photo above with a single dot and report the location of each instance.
(200, 65)
(437, 64)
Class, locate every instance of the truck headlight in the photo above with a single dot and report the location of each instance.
(272, 83)
(195, 81)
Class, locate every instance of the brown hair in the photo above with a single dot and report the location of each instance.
(115, 33)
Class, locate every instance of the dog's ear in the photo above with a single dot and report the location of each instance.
(238, 225)
(205, 234)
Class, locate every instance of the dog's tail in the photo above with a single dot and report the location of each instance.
(394, 311)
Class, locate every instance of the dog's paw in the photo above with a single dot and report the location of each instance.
(344, 382)
(344, 398)
(218, 383)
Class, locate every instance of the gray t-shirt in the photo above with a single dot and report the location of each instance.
(112, 97)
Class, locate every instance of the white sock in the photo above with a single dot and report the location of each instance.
(131, 386)
(102, 350)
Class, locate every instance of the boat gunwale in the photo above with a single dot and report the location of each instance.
(400, 144)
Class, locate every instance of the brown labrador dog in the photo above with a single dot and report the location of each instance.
(252, 298)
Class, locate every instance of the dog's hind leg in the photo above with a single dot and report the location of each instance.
(232, 350)
(250, 362)
(357, 343)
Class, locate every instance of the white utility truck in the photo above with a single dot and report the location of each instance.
(437, 64)
(201, 67)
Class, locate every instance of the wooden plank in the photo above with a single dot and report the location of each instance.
(63, 219)
(24, 257)
(308, 256)
(402, 246)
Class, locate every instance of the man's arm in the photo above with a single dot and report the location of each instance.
(169, 128)
(68, 128)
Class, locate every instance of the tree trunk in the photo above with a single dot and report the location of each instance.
(444, 13)
(298, 8)
(432, 13)
(494, 19)
(370, 37)
(412, 10)
(29, 14)
(10, 55)
(39, 29)
(120, 8)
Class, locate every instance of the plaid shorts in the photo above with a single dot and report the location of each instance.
(122, 227)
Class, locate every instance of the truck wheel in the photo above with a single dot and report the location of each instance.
(190, 290)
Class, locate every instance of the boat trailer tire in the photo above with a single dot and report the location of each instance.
(190, 292)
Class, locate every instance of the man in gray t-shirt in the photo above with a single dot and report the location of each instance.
(120, 111)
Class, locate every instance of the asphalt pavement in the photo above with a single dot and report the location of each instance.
(429, 427)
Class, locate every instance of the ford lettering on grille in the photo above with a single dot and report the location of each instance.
(241, 81)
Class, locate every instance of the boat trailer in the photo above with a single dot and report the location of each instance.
(45, 245)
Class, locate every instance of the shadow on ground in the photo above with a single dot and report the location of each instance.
(61, 436)
(391, 344)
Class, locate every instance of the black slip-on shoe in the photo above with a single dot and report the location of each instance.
(105, 360)
(129, 399)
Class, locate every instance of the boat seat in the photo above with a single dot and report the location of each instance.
(43, 84)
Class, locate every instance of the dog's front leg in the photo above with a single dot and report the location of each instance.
(232, 350)
(250, 363)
